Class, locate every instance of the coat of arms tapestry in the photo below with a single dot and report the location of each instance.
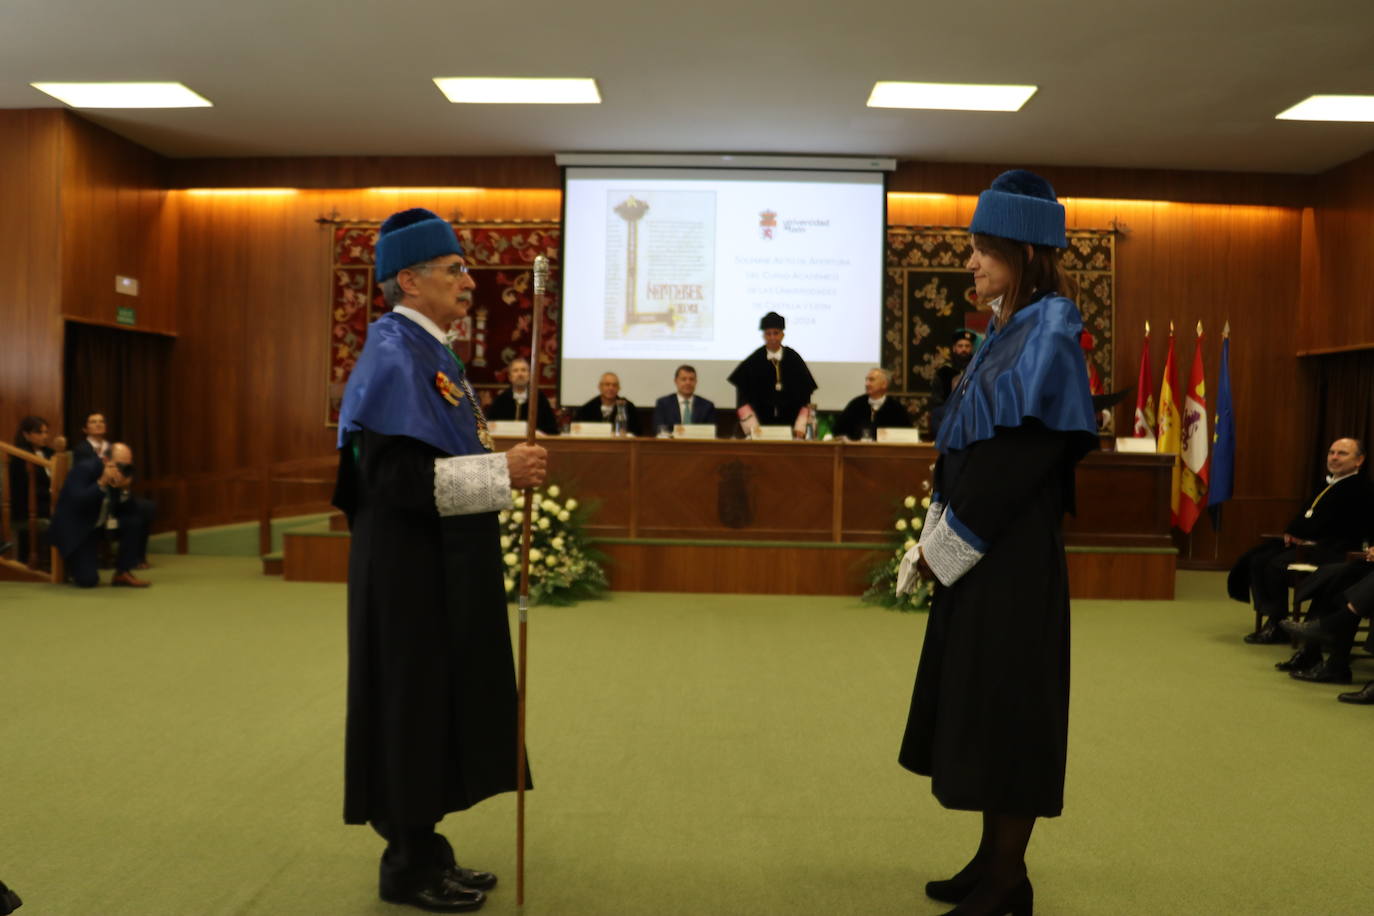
(928, 295)
(501, 258)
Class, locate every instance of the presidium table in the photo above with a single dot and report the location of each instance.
(808, 518)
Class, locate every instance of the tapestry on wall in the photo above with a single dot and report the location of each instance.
(928, 295)
(496, 330)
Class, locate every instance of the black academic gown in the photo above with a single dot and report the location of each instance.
(858, 417)
(590, 412)
(505, 407)
(990, 709)
(19, 486)
(431, 685)
(755, 381)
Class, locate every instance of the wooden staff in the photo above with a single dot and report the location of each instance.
(541, 280)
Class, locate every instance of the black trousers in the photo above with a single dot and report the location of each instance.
(83, 563)
(1269, 579)
(414, 855)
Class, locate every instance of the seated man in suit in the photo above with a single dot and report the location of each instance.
(32, 436)
(1336, 521)
(512, 404)
(92, 443)
(1341, 594)
(95, 491)
(872, 409)
(685, 406)
(603, 407)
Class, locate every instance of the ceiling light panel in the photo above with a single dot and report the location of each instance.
(124, 95)
(1331, 108)
(949, 96)
(518, 91)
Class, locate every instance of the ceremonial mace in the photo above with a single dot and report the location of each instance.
(541, 282)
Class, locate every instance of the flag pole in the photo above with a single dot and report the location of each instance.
(541, 280)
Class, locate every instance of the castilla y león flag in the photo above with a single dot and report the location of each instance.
(1144, 396)
(1196, 460)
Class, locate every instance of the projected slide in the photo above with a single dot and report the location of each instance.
(670, 266)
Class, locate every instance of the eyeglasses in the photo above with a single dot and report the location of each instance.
(456, 269)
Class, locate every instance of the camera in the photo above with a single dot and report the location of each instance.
(125, 468)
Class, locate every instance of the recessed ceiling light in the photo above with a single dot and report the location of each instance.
(124, 95)
(949, 96)
(518, 91)
(1331, 108)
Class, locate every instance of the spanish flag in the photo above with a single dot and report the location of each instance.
(1169, 438)
(1196, 460)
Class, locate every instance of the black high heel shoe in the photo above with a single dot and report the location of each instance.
(955, 889)
(1019, 901)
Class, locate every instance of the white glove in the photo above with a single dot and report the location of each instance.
(907, 577)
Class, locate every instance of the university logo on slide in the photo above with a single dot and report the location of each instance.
(768, 221)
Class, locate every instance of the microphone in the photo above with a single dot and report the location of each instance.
(541, 275)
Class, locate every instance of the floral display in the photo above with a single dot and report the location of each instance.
(563, 568)
(908, 521)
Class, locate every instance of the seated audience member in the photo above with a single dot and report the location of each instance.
(1337, 520)
(1341, 594)
(513, 403)
(95, 491)
(603, 406)
(92, 443)
(686, 406)
(872, 409)
(32, 436)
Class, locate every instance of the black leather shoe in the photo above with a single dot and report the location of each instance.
(439, 895)
(1364, 695)
(955, 889)
(1323, 674)
(1301, 660)
(471, 878)
(1306, 630)
(1269, 636)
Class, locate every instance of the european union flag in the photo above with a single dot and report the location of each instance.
(1223, 437)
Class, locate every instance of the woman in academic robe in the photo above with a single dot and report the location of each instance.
(989, 713)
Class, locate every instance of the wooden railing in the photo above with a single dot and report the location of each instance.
(57, 473)
(264, 488)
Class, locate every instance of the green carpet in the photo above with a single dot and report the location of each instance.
(237, 540)
(178, 751)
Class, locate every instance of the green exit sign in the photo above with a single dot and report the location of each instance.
(125, 315)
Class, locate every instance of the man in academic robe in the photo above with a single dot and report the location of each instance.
(873, 409)
(513, 403)
(431, 684)
(961, 347)
(1340, 594)
(685, 405)
(773, 385)
(607, 405)
(96, 490)
(1338, 519)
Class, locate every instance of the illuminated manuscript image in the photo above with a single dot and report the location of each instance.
(660, 265)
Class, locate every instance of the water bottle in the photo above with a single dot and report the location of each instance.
(811, 422)
(621, 420)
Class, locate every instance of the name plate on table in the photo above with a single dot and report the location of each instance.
(899, 434)
(694, 431)
(774, 433)
(514, 428)
(591, 430)
(1139, 445)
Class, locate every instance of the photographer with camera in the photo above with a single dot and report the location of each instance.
(96, 490)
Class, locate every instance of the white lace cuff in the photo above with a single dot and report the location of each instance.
(933, 514)
(950, 554)
(470, 484)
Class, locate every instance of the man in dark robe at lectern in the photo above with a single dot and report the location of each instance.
(431, 683)
(866, 413)
(772, 384)
(1338, 519)
(514, 402)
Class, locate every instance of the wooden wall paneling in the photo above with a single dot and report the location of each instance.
(30, 268)
(330, 172)
(1338, 307)
(111, 219)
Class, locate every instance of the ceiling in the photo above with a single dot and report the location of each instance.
(1189, 84)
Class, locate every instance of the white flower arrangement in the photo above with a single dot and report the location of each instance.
(563, 567)
(882, 589)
